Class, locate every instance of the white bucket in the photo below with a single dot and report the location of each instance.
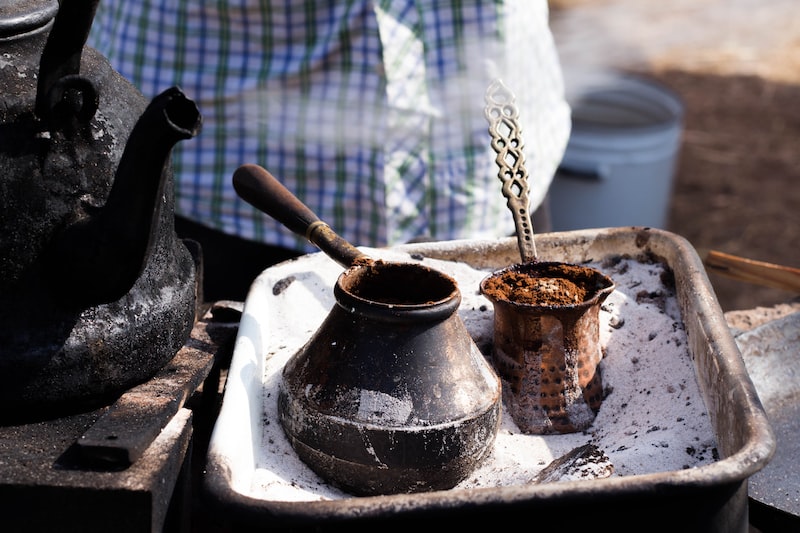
(620, 160)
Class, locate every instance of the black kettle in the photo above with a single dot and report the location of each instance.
(96, 290)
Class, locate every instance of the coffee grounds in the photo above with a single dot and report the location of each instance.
(523, 288)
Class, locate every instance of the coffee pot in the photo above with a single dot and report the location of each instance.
(96, 290)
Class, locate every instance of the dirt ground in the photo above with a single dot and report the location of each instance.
(737, 188)
(736, 66)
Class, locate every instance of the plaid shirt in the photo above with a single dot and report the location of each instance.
(370, 111)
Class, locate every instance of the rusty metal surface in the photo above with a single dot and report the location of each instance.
(122, 434)
(39, 493)
(47, 483)
(770, 352)
(548, 355)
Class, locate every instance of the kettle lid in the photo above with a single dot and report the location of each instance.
(23, 17)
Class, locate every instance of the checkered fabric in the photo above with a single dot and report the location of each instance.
(370, 111)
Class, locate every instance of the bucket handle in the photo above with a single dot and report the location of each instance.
(583, 173)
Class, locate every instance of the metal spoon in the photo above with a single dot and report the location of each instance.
(503, 116)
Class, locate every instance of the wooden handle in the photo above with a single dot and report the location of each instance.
(756, 272)
(263, 191)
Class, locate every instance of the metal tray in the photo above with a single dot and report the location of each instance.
(769, 350)
(711, 497)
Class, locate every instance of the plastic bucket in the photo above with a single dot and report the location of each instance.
(620, 160)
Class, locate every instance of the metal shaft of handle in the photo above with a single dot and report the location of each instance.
(503, 116)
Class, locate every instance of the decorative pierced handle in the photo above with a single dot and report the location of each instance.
(503, 117)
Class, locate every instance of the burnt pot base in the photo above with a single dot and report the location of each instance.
(395, 460)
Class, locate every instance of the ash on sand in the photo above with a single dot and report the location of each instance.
(652, 419)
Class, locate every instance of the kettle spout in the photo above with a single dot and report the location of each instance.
(97, 259)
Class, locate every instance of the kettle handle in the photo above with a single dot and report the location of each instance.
(61, 58)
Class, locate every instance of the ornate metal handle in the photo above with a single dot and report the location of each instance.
(503, 116)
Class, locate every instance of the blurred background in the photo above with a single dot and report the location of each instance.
(735, 67)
